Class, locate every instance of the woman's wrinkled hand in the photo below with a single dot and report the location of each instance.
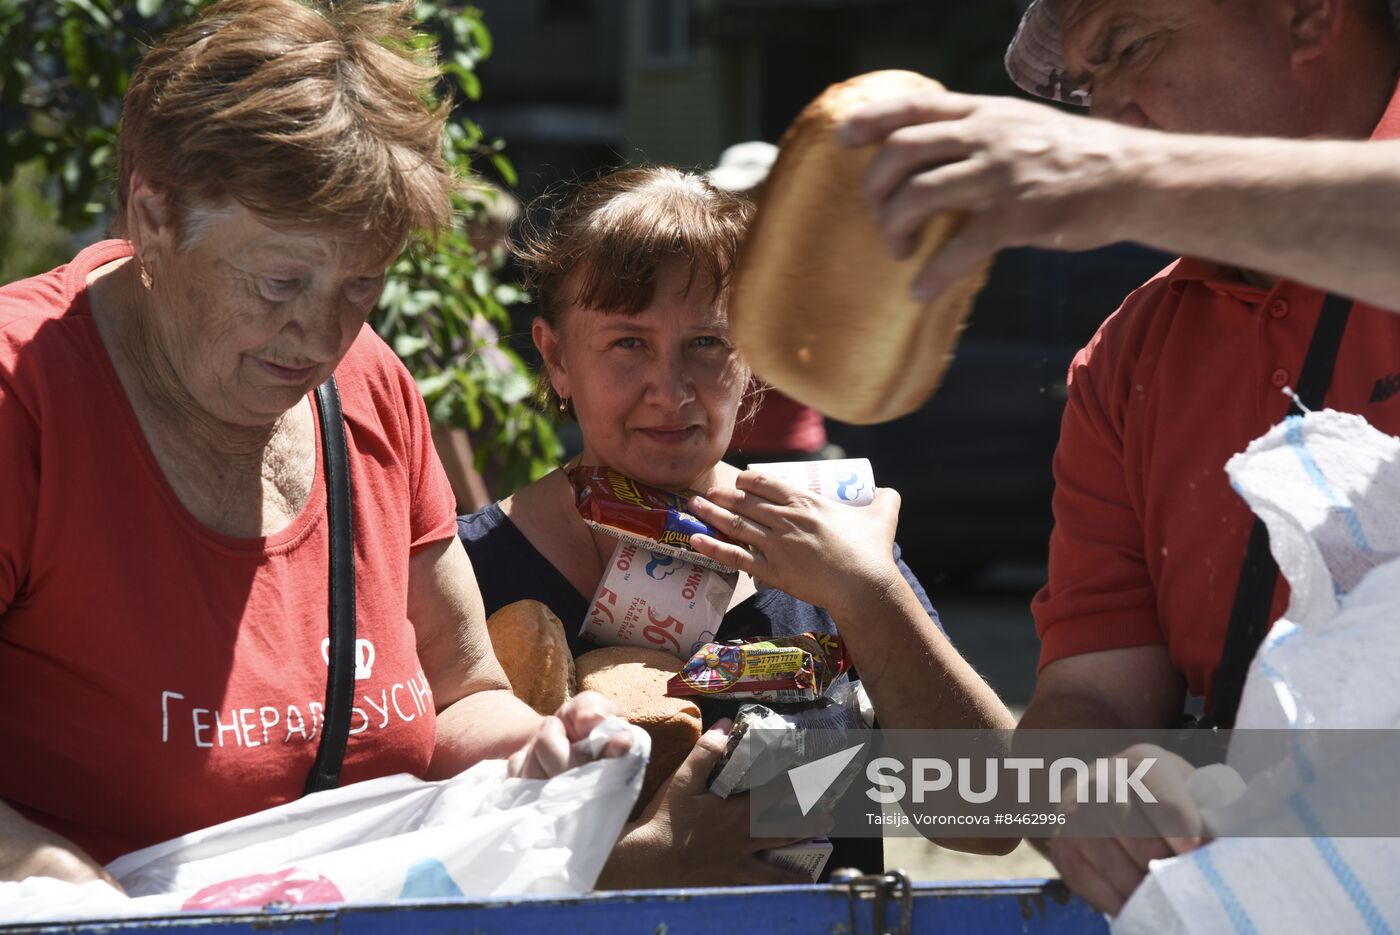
(558, 744)
(688, 836)
(27, 850)
(826, 553)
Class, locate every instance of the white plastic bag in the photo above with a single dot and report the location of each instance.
(479, 834)
(1327, 485)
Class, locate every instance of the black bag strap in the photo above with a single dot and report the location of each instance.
(1254, 596)
(340, 660)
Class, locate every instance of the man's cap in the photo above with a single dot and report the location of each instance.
(743, 166)
(1036, 57)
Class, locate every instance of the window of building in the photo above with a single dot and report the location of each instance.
(666, 32)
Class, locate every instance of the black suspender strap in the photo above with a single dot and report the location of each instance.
(1254, 597)
(340, 676)
(1249, 621)
(1322, 352)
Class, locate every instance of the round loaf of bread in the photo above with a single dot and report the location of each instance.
(530, 643)
(635, 678)
(819, 307)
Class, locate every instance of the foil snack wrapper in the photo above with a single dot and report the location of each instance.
(780, 669)
(807, 734)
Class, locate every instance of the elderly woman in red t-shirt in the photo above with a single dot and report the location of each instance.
(163, 530)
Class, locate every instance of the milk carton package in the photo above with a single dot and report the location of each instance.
(850, 481)
(657, 601)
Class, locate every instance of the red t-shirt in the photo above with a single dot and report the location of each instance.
(1149, 537)
(157, 677)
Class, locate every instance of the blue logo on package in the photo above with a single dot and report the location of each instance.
(844, 483)
(660, 561)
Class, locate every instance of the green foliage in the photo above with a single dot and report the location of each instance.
(64, 66)
(443, 307)
(31, 239)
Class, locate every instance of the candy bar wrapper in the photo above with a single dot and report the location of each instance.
(654, 600)
(850, 481)
(806, 857)
(637, 513)
(779, 669)
(790, 738)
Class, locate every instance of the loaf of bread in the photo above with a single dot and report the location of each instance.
(635, 679)
(820, 308)
(530, 643)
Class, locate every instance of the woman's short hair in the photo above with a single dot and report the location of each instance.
(307, 114)
(606, 244)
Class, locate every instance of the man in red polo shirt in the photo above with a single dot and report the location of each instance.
(1149, 538)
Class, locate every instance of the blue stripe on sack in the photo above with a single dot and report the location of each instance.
(1234, 909)
(1300, 448)
(1300, 757)
(1336, 863)
(1285, 630)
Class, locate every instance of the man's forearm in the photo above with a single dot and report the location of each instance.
(1325, 213)
(1072, 711)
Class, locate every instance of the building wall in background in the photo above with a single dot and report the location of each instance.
(674, 102)
(581, 85)
(553, 88)
(750, 66)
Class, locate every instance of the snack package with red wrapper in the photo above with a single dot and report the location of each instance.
(777, 669)
(648, 517)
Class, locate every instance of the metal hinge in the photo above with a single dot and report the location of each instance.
(880, 889)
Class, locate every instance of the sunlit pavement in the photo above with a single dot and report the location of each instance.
(926, 861)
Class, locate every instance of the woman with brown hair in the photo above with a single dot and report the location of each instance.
(630, 278)
(163, 532)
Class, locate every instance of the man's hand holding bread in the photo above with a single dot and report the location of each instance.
(1022, 174)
